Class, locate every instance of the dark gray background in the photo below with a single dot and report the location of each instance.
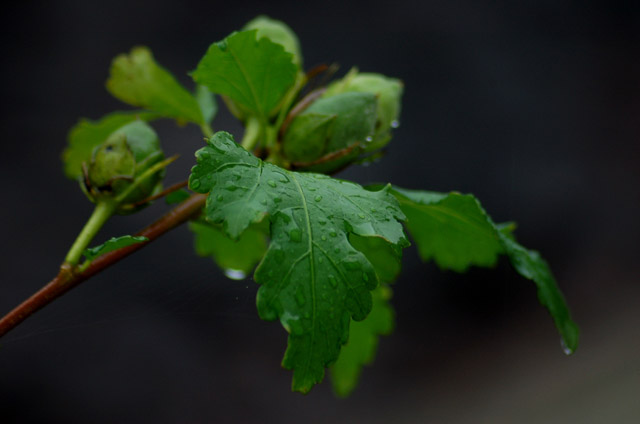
(532, 105)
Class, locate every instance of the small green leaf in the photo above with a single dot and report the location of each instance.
(138, 80)
(112, 244)
(455, 231)
(253, 73)
(177, 196)
(236, 257)
(207, 102)
(278, 32)
(87, 135)
(361, 348)
(312, 278)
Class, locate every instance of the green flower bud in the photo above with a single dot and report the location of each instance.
(389, 93)
(117, 164)
(278, 32)
(331, 133)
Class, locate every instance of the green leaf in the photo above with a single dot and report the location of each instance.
(386, 258)
(253, 73)
(454, 230)
(312, 278)
(278, 32)
(138, 80)
(87, 135)
(361, 348)
(112, 244)
(451, 229)
(207, 102)
(177, 196)
(236, 257)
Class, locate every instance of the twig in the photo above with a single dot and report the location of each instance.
(70, 276)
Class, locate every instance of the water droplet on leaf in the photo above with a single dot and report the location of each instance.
(333, 281)
(318, 198)
(272, 183)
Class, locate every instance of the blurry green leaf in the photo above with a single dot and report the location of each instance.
(87, 135)
(386, 258)
(138, 80)
(361, 348)
(112, 244)
(236, 257)
(455, 231)
(207, 102)
(312, 278)
(255, 74)
(177, 196)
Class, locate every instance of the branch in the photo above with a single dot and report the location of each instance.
(70, 276)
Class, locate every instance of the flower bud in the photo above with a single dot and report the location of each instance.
(388, 92)
(331, 133)
(118, 163)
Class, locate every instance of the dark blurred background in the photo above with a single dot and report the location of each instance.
(533, 106)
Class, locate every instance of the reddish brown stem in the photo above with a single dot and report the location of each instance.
(70, 277)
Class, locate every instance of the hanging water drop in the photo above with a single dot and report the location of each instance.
(235, 274)
(395, 124)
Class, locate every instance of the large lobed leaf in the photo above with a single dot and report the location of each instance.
(138, 80)
(312, 278)
(254, 73)
(456, 232)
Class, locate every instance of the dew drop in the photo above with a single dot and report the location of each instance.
(369, 139)
(361, 215)
(235, 274)
(374, 210)
(352, 266)
(219, 198)
(365, 277)
(203, 155)
(323, 238)
(295, 235)
(333, 281)
(263, 201)
(272, 183)
(336, 250)
(318, 198)
(395, 124)
(237, 177)
(566, 349)
(333, 233)
(231, 186)
(277, 199)
(195, 184)
(320, 259)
